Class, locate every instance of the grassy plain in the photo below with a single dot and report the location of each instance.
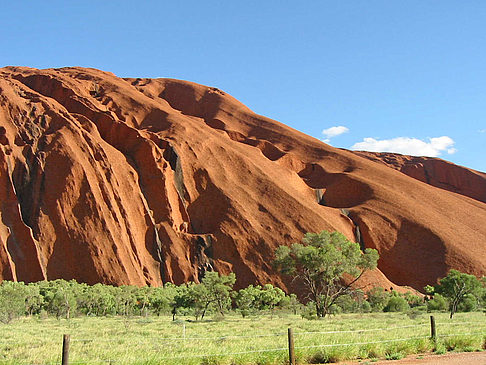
(236, 340)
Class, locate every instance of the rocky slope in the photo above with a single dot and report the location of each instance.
(436, 172)
(142, 181)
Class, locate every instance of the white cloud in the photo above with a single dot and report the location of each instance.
(408, 146)
(334, 132)
(482, 131)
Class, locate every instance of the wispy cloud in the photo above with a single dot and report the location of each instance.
(432, 147)
(334, 132)
(482, 131)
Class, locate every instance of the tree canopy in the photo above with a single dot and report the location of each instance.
(458, 287)
(327, 264)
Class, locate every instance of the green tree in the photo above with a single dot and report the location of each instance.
(126, 300)
(468, 304)
(199, 299)
(346, 304)
(353, 303)
(217, 291)
(246, 300)
(483, 293)
(456, 287)
(270, 297)
(183, 298)
(60, 297)
(97, 300)
(327, 265)
(12, 300)
(34, 300)
(292, 303)
(142, 296)
(160, 299)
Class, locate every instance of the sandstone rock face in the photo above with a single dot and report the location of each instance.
(143, 181)
(436, 172)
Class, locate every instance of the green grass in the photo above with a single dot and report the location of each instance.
(234, 340)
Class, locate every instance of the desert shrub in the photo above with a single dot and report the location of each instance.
(438, 303)
(309, 311)
(366, 307)
(396, 304)
(34, 301)
(378, 298)
(413, 300)
(270, 297)
(416, 311)
(161, 298)
(462, 343)
(371, 351)
(319, 357)
(394, 356)
(292, 303)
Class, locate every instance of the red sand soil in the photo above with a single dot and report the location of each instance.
(142, 181)
(465, 358)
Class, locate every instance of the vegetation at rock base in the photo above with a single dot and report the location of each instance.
(68, 299)
(327, 263)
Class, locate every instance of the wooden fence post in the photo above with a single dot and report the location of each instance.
(65, 350)
(433, 331)
(291, 347)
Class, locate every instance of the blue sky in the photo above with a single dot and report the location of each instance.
(404, 76)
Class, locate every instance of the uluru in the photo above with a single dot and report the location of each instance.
(145, 181)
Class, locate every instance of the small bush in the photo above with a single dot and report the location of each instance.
(377, 297)
(461, 343)
(394, 356)
(309, 311)
(211, 361)
(319, 357)
(413, 300)
(416, 312)
(366, 307)
(396, 304)
(440, 349)
(371, 351)
(438, 303)
(337, 354)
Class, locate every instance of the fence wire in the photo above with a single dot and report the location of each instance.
(219, 338)
(223, 354)
(265, 350)
(361, 343)
(363, 330)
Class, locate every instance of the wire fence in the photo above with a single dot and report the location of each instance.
(306, 340)
(227, 337)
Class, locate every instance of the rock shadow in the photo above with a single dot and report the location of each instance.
(416, 259)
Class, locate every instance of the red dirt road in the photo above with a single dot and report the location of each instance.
(465, 358)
